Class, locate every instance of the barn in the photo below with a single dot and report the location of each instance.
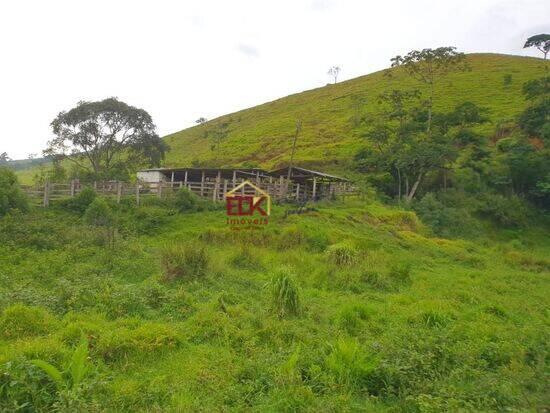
(285, 183)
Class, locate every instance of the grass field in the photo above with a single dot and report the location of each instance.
(330, 136)
(351, 307)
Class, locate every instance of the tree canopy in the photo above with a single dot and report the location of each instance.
(540, 41)
(106, 137)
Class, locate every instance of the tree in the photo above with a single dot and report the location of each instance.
(429, 66)
(334, 71)
(106, 136)
(4, 158)
(201, 120)
(541, 42)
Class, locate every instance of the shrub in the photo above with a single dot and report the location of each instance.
(21, 384)
(445, 221)
(342, 253)
(11, 196)
(285, 295)
(22, 321)
(181, 261)
(186, 201)
(80, 202)
(506, 211)
(99, 214)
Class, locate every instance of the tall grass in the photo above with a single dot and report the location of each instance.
(183, 261)
(342, 254)
(285, 295)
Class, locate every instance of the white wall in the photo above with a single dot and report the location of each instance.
(150, 176)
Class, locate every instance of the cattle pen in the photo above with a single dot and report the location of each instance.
(285, 184)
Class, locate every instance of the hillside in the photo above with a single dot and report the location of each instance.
(262, 135)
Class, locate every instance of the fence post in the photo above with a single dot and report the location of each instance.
(224, 188)
(159, 189)
(72, 187)
(46, 194)
(202, 184)
(137, 193)
(118, 191)
(297, 192)
(314, 188)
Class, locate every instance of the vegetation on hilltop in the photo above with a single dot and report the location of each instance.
(331, 116)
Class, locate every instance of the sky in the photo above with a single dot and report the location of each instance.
(181, 60)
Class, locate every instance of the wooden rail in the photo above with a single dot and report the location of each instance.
(213, 189)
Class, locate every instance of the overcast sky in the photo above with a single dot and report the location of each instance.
(181, 60)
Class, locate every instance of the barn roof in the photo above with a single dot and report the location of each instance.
(303, 173)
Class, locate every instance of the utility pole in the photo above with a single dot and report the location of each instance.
(296, 133)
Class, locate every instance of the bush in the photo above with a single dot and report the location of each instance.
(186, 201)
(507, 211)
(285, 295)
(11, 196)
(183, 261)
(22, 321)
(80, 202)
(99, 214)
(342, 253)
(446, 221)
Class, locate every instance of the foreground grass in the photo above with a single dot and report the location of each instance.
(388, 318)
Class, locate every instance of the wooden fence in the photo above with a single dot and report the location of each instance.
(214, 189)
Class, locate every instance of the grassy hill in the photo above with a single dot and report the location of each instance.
(262, 135)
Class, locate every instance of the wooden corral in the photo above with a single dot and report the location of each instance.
(300, 185)
(282, 184)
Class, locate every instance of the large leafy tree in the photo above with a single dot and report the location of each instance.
(429, 66)
(400, 146)
(105, 137)
(540, 41)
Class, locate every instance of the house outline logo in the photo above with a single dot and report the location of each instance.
(253, 200)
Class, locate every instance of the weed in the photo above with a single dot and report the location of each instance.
(349, 364)
(183, 261)
(285, 295)
(22, 321)
(342, 254)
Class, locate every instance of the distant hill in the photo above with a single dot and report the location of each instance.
(262, 135)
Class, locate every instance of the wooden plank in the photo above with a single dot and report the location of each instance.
(314, 192)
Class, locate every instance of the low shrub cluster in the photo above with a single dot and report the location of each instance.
(11, 196)
(342, 254)
(183, 261)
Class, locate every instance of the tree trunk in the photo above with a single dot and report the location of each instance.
(410, 195)
(399, 184)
